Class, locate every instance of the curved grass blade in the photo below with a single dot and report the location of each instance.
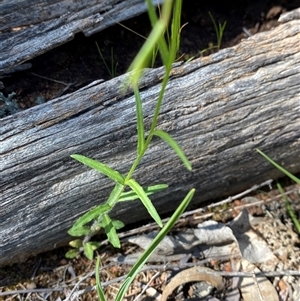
(131, 195)
(147, 253)
(291, 176)
(166, 137)
(98, 282)
(138, 189)
(101, 167)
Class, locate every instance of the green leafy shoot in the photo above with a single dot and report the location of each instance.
(166, 137)
(148, 252)
(100, 214)
(138, 189)
(289, 209)
(131, 195)
(291, 176)
(103, 168)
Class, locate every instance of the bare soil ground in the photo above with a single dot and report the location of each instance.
(76, 64)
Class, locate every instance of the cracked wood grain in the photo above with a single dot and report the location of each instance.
(27, 31)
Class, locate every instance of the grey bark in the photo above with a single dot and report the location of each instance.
(30, 28)
(219, 109)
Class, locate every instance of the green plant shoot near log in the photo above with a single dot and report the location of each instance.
(126, 188)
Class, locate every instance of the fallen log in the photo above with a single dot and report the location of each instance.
(219, 109)
(26, 33)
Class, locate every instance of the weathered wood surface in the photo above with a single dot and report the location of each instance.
(30, 28)
(218, 108)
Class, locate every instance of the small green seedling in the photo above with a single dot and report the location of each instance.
(112, 70)
(295, 179)
(219, 29)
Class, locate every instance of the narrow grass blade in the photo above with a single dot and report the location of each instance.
(140, 122)
(103, 168)
(138, 189)
(175, 32)
(162, 44)
(131, 195)
(98, 281)
(289, 209)
(166, 137)
(291, 176)
(144, 55)
(147, 253)
(110, 231)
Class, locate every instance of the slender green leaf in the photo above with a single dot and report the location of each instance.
(100, 291)
(289, 209)
(72, 253)
(115, 195)
(151, 248)
(131, 195)
(117, 224)
(123, 289)
(140, 121)
(291, 176)
(95, 245)
(101, 167)
(79, 231)
(166, 137)
(110, 231)
(88, 250)
(138, 189)
(86, 218)
(143, 57)
(156, 37)
(77, 243)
